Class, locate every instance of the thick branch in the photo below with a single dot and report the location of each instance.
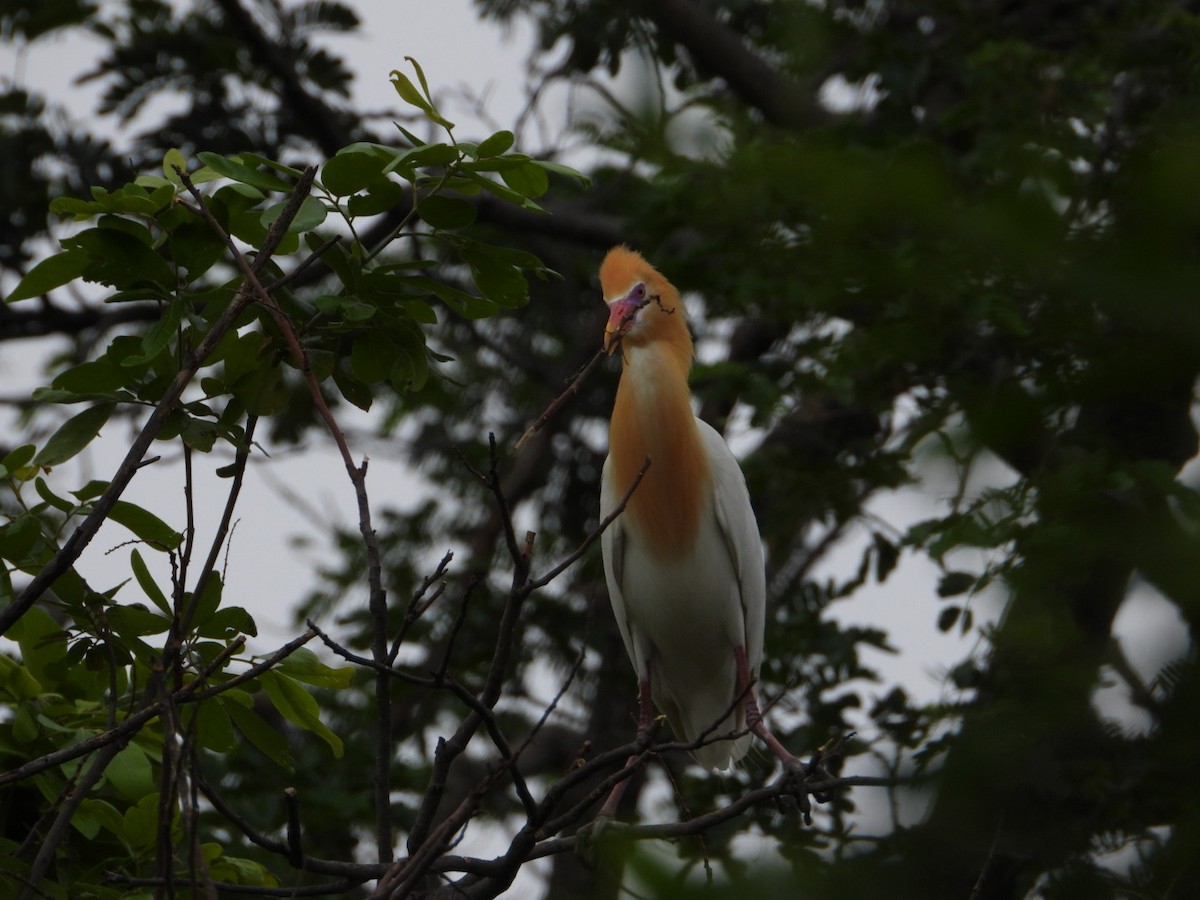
(719, 51)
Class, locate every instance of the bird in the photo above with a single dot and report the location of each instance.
(683, 560)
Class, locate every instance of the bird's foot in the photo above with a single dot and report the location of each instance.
(793, 794)
(798, 777)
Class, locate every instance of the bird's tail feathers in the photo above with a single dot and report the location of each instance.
(722, 752)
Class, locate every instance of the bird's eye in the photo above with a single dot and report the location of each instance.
(638, 293)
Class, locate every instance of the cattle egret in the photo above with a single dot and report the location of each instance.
(683, 561)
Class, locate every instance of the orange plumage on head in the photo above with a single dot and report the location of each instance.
(653, 416)
(661, 319)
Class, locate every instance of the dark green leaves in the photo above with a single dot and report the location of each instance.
(371, 357)
(51, 272)
(73, 435)
(235, 169)
(146, 525)
(352, 171)
(446, 212)
(122, 257)
(298, 706)
(499, 143)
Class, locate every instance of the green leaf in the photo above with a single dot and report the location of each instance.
(262, 391)
(173, 159)
(257, 159)
(194, 247)
(559, 169)
(227, 624)
(91, 490)
(52, 272)
(103, 814)
(299, 707)
(17, 459)
(467, 305)
(350, 172)
(952, 584)
(243, 354)
(73, 435)
(96, 378)
(312, 213)
(887, 555)
(95, 814)
(371, 356)
(17, 680)
(146, 525)
(347, 309)
(18, 537)
(136, 621)
(304, 665)
(214, 729)
(211, 598)
(158, 335)
(420, 77)
(529, 180)
(146, 581)
(234, 169)
(59, 503)
(42, 641)
(121, 259)
(239, 706)
(140, 824)
(501, 283)
(503, 192)
(500, 142)
(409, 94)
(352, 389)
(422, 155)
(381, 195)
(446, 212)
(947, 617)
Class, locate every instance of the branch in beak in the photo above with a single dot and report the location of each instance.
(621, 316)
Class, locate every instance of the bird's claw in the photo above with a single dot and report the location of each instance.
(797, 777)
(794, 790)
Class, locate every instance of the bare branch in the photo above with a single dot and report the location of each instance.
(561, 400)
(593, 535)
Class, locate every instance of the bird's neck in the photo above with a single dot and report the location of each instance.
(653, 418)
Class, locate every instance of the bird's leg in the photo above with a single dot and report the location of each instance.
(644, 724)
(794, 771)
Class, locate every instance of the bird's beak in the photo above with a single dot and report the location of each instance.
(621, 316)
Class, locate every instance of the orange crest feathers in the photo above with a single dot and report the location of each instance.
(622, 269)
(662, 319)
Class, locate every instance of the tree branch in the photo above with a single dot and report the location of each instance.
(720, 52)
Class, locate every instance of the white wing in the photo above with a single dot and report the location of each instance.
(612, 548)
(735, 517)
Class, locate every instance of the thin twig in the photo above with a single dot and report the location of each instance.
(416, 608)
(560, 401)
(577, 382)
(593, 535)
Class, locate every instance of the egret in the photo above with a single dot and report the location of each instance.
(683, 561)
